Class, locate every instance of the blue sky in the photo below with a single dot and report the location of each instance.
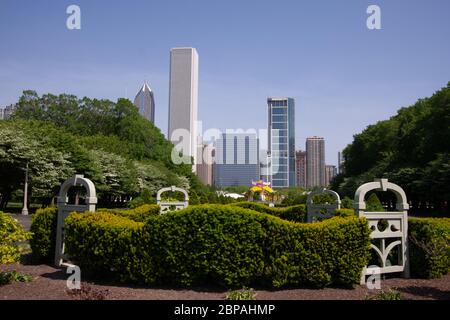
(342, 75)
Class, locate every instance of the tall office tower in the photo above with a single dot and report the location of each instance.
(300, 168)
(7, 112)
(315, 162)
(205, 158)
(281, 141)
(330, 173)
(236, 160)
(145, 102)
(341, 160)
(264, 166)
(183, 101)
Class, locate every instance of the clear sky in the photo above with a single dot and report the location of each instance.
(342, 75)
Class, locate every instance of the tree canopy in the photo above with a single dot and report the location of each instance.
(411, 149)
(110, 143)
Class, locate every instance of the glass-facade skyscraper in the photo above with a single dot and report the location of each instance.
(236, 160)
(145, 102)
(281, 142)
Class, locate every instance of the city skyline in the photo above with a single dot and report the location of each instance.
(334, 66)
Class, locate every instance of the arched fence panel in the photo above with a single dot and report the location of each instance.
(319, 211)
(65, 209)
(389, 229)
(167, 206)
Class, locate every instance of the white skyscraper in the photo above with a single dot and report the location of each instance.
(183, 100)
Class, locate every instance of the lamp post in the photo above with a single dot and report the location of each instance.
(25, 194)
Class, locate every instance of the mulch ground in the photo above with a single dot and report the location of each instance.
(49, 283)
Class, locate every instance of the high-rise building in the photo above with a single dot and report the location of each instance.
(300, 168)
(7, 112)
(145, 102)
(315, 162)
(281, 141)
(205, 158)
(341, 160)
(330, 173)
(183, 101)
(236, 160)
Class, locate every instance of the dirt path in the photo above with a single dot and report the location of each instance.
(50, 284)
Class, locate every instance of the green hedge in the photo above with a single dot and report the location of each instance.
(43, 228)
(345, 213)
(139, 214)
(11, 234)
(294, 213)
(102, 242)
(429, 240)
(220, 244)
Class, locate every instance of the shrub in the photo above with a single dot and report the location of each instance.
(294, 213)
(11, 233)
(386, 295)
(138, 214)
(145, 198)
(44, 223)
(14, 276)
(101, 242)
(243, 294)
(347, 203)
(429, 242)
(43, 228)
(220, 244)
(345, 213)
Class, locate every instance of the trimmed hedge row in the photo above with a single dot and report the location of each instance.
(220, 244)
(102, 242)
(429, 242)
(43, 227)
(139, 214)
(295, 213)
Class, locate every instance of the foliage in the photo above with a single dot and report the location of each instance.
(386, 295)
(14, 276)
(293, 213)
(429, 247)
(373, 204)
(101, 242)
(46, 164)
(11, 233)
(243, 294)
(43, 228)
(346, 203)
(345, 213)
(110, 143)
(139, 214)
(145, 198)
(411, 149)
(220, 244)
